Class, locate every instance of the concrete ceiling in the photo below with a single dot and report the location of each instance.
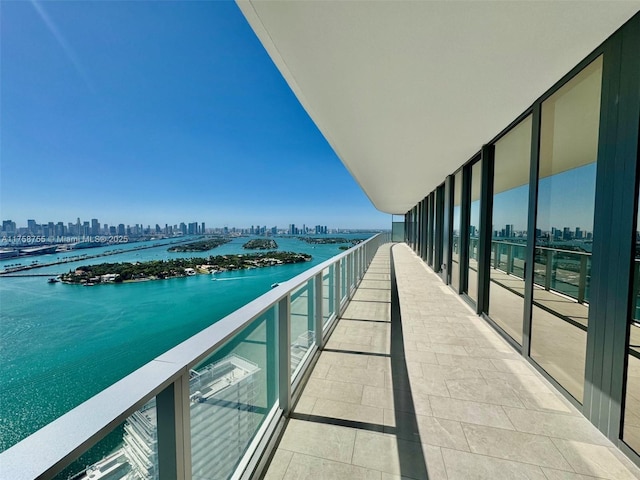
(407, 91)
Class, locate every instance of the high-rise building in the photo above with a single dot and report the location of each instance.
(95, 226)
(9, 227)
(224, 409)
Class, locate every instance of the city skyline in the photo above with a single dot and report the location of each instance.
(95, 227)
(159, 111)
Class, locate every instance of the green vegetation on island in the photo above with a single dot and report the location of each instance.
(261, 244)
(200, 246)
(330, 240)
(180, 267)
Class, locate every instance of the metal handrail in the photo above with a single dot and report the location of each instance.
(56, 445)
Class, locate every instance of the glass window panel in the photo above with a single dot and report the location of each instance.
(566, 193)
(455, 239)
(474, 230)
(509, 236)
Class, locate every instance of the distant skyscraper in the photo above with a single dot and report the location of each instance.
(95, 226)
(508, 230)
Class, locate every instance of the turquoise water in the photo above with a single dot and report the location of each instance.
(61, 344)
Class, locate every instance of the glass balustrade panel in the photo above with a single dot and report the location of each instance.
(302, 324)
(328, 292)
(231, 393)
(130, 449)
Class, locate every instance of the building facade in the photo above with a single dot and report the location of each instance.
(539, 233)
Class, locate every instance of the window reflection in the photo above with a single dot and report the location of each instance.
(509, 236)
(564, 224)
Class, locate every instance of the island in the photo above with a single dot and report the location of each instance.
(200, 246)
(105, 273)
(261, 244)
(330, 240)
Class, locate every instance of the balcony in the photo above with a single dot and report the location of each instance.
(405, 381)
(424, 388)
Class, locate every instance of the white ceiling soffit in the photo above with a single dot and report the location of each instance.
(407, 91)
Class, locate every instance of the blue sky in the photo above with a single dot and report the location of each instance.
(158, 112)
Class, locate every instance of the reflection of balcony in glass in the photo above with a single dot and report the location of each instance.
(222, 403)
(300, 347)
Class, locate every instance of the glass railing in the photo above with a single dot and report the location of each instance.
(208, 407)
(555, 269)
(564, 271)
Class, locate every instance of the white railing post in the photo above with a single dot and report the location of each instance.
(174, 431)
(284, 354)
(319, 317)
(582, 280)
(337, 289)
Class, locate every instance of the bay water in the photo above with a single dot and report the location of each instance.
(61, 344)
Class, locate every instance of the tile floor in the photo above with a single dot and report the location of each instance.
(427, 390)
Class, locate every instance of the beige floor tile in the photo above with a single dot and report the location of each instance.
(469, 466)
(329, 389)
(470, 412)
(385, 398)
(517, 446)
(278, 465)
(465, 361)
(350, 347)
(398, 457)
(348, 411)
(372, 295)
(517, 366)
(305, 403)
(478, 390)
(551, 402)
(552, 474)
(595, 460)
(449, 372)
(451, 339)
(343, 359)
(555, 425)
(313, 468)
(326, 441)
(361, 376)
(429, 430)
(490, 352)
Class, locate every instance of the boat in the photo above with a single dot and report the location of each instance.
(53, 280)
(274, 285)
